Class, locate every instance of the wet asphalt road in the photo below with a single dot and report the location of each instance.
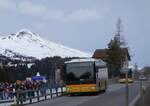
(114, 96)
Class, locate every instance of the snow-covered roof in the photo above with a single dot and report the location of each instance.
(81, 60)
(97, 61)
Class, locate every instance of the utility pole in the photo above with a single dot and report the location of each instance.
(124, 63)
(125, 71)
(127, 89)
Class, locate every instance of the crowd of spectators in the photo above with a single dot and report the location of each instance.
(9, 90)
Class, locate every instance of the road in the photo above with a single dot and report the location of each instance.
(114, 96)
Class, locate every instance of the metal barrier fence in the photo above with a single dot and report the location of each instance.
(30, 96)
(144, 97)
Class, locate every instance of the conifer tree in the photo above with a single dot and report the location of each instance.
(116, 53)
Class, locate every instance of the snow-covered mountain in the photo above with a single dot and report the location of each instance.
(27, 44)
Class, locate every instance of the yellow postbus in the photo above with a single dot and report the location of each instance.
(85, 75)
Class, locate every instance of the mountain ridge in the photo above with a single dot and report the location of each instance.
(29, 44)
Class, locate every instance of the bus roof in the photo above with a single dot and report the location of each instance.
(102, 63)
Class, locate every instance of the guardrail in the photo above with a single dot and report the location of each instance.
(144, 95)
(22, 97)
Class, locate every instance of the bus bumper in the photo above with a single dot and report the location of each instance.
(80, 88)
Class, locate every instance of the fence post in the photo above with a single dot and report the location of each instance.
(17, 96)
(38, 99)
(30, 96)
(51, 94)
(56, 91)
(62, 91)
(21, 98)
(45, 94)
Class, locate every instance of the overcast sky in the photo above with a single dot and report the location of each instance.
(82, 24)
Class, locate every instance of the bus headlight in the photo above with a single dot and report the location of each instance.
(93, 87)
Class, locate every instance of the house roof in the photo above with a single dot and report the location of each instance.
(102, 53)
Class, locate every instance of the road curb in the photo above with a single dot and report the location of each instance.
(134, 100)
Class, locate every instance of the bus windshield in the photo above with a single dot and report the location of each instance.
(80, 73)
